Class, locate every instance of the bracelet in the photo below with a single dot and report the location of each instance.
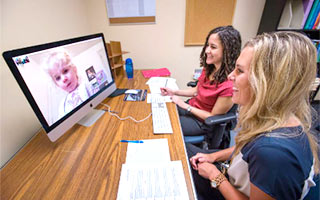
(215, 183)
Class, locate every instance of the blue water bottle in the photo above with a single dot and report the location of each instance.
(129, 68)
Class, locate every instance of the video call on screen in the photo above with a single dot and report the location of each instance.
(87, 73)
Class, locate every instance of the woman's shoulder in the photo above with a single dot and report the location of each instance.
(226, 83)
(289, 139)
(282, 134)
(202, 75)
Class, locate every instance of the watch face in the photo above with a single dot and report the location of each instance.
(189, 108)
(213, 184)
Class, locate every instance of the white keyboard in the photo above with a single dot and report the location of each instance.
(160, 117)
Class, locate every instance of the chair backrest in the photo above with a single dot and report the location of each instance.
(315, 93)
(220, 126)
(219, 131)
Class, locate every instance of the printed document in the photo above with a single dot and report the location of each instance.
(148, 181)
(150, 174)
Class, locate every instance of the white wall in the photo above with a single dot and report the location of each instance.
(25, 23)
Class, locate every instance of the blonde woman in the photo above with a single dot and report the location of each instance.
(275, 156)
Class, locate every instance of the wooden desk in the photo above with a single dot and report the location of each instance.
(85, 163)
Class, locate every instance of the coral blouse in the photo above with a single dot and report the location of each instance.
(208, 94)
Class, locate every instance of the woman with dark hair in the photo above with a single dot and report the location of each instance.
(213, 93)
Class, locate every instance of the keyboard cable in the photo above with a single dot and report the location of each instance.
(125, 118)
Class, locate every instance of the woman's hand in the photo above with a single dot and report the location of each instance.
(201, 158)
(175, 99)
(208, 170)
(167, 91)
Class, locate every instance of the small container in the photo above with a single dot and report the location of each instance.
(129, 68)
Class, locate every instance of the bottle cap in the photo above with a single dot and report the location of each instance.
(128, 61)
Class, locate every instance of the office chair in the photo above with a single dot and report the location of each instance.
(219, 129)
(219, 134)
(192, 83)
(315, 105)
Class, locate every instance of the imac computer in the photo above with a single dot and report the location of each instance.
(64, 81)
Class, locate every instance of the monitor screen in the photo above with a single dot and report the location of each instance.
(63, 81)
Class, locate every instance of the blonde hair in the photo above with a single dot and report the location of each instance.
(58, 58)
(281, 73)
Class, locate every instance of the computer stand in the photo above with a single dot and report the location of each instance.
(91, 117)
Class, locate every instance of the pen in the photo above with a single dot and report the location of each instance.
(166, 83)
(132, 141)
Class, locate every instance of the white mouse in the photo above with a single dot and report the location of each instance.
(131, 92)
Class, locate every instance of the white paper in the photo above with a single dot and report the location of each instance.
(131, 8)
(161, 181)
(155, 83)
(152, 151)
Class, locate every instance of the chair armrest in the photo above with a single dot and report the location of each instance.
(192, 83)
(218, 119)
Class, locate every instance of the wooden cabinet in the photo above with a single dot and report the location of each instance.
(115, 57)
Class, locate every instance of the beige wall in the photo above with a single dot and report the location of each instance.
(25, 23)
(162, 44)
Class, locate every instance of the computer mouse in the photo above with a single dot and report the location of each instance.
(131, 92)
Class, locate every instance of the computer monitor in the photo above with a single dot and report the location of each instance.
(63, 81)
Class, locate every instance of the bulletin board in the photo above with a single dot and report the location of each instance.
(204, 15)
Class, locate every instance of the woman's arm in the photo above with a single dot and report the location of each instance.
(190, 92)
(210, 172)
(222, 106)
(256, 193)
(230, 192)
(222, 155)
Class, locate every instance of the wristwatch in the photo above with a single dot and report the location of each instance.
(189, 109)
(215, 183)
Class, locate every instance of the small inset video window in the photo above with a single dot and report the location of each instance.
(91, 73)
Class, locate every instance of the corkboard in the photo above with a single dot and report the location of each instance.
(204, 15)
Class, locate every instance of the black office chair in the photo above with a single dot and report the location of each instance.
(218, 135)
(315, 105)
(192, 83)
(219, 129)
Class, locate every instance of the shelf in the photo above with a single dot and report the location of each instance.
(286, 15)
(292, 15)
(118, 54)
(115, 56)
(311, 33)
(118, 65)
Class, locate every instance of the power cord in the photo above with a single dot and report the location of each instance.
(113, 113)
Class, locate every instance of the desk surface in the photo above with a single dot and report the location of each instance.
(85, 163)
